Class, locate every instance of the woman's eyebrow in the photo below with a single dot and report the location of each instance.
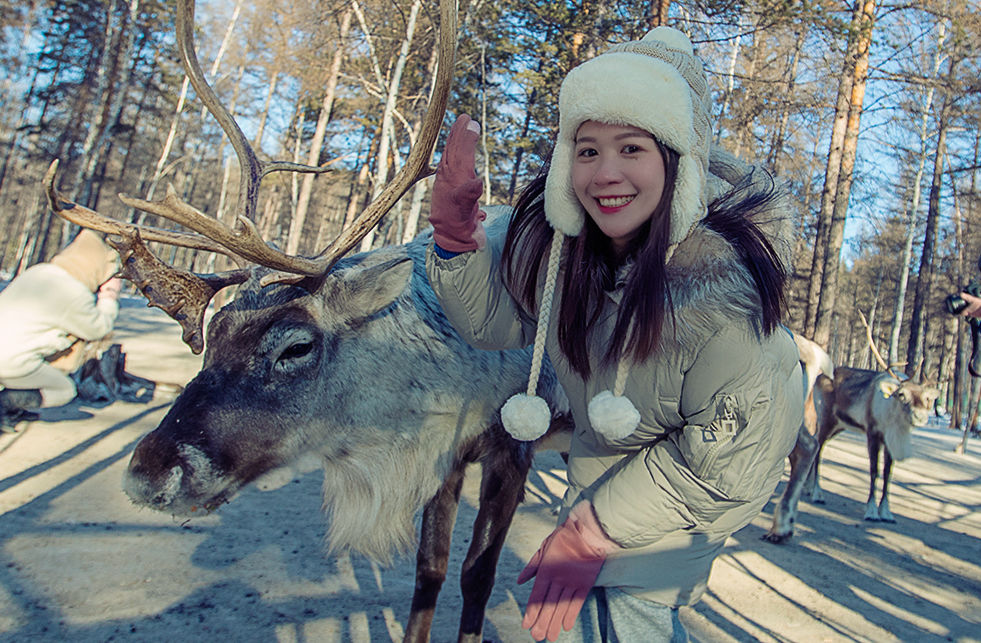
(618, 137)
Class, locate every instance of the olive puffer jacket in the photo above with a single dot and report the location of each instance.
(720, 406)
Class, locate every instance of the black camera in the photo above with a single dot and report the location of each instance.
(955, 303)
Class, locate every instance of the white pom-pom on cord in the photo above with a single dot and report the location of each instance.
(613, 416)
(526, 417)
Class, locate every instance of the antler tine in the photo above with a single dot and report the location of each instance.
(417, 165)
(82, 216)
(183, 295)
(250, 167)
(245, 242)
(875, 351)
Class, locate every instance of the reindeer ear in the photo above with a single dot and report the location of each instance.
(362, 292)
(888, 387)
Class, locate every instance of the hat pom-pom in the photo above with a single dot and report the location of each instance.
(613, 416)
(526, 417)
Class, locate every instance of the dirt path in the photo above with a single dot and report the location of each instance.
(78, 562)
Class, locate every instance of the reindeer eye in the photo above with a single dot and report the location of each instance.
(295, 356)
(297, 350)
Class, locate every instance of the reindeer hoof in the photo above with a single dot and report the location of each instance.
(776, 539)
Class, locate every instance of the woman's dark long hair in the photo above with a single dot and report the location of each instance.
(591, 265)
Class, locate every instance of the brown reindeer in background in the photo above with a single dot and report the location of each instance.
(349, 361)
(882, 404)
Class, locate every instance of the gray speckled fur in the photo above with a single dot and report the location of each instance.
(387, 395)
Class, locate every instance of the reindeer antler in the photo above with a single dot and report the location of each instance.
(875, 351)
(184, 295)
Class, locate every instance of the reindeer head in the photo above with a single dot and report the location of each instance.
(917, 399)
(263, 387)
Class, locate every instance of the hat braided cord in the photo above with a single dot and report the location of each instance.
(545, 311)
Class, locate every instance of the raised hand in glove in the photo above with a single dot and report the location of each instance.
(565, 568)
(455, 214)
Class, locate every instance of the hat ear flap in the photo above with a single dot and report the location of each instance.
(687, 207)
(562, 208)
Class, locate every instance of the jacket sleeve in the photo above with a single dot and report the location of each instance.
(742, 405)
(89, 316)
(473, 296)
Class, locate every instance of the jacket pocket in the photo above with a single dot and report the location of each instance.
(702, 443)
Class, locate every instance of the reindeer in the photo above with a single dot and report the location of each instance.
(882, 404)
(345, 361)
(814, 363)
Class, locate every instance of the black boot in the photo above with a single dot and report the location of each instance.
(14, 405)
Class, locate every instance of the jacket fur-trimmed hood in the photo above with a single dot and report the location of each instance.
(710, 285)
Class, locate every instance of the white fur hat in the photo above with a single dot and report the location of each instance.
(656, 84)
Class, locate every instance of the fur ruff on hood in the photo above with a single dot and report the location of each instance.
(709, 284)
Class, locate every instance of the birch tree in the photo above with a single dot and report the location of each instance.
(316, 143)
(834, 203)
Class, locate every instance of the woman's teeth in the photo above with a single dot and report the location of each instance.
(614, 202)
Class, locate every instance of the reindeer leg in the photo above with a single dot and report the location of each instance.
(884, 513)
(873, 443)
(814, 478)
(505, 468)
(785, 513)
(433, 554)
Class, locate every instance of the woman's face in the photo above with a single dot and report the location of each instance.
(618, 176)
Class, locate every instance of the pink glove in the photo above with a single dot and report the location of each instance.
(566, 566)
(111, 288)
(455, 215)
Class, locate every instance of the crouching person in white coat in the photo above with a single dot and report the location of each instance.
(45, 312)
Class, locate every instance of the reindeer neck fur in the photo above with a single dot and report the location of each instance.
(389, 445)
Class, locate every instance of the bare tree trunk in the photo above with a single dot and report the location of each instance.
(313, 158)
(483, 119)
(213, 259)
(944, 371)
(520, 152)
(832, 168)
(18, 127)
(924, 280)
(776, 146)
(914, 205)
(299, 118)
(175, 122)
(260, 130)
(421, 187)
(730, 83)
(659, 12)
(113, 106)
(359, 191)
(381, 165)
(745, 124)
(829, 278)
(961, 379)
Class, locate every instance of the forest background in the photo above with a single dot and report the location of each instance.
(869, 109)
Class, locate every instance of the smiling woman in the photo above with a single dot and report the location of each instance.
(667, 260)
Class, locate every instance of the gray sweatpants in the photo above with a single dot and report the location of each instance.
(612, 616)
